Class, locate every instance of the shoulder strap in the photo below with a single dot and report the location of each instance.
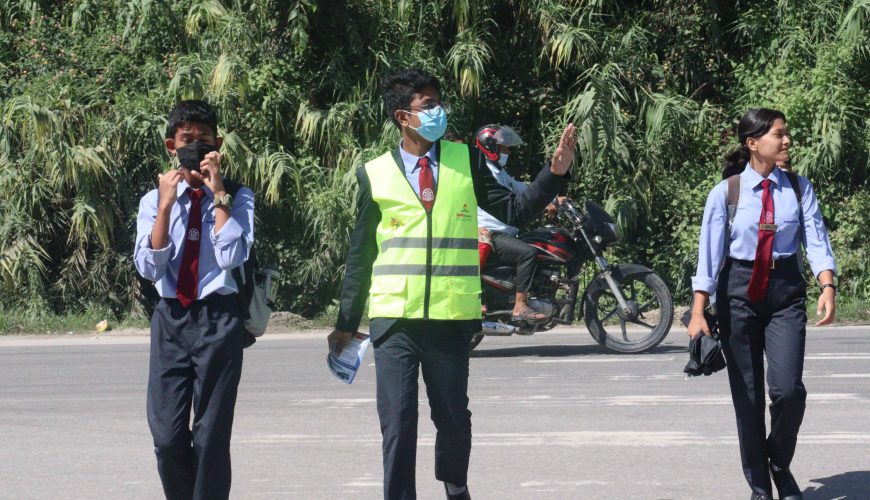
(232, 187)
(796, 187)
(733, 197)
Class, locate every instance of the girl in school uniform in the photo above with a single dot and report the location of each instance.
(751, 261)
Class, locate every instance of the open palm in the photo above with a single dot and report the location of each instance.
(564, 154)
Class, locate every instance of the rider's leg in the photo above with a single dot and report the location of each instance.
(510, 249)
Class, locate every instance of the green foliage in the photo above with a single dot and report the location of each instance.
(654, 88)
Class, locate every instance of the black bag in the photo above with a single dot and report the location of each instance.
(705, 351)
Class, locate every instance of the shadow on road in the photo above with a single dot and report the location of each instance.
(560, 351)
(847, 486)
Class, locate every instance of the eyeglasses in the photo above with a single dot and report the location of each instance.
(429, 108)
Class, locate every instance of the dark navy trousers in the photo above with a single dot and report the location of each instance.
(440, 348)
(196, 364)
(776, 328)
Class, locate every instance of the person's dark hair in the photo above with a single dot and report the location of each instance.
(755, 123)
(190, 111)
(399, 89)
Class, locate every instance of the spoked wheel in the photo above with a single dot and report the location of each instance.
(649, 316)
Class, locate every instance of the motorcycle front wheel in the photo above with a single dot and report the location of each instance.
(646, 323)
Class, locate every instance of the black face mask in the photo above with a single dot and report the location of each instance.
(191, 155)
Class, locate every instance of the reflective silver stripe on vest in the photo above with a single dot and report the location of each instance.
(420, 270)
(413, 242)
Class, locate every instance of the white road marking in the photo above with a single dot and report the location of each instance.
(602, 359)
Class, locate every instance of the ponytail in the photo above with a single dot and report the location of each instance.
(735, 162)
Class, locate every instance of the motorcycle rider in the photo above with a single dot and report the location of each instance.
(495, 142)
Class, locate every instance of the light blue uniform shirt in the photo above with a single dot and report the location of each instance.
(219, 253)
(743, 238)
(411, 170)
(484, 219)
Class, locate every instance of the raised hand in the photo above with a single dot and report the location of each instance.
(167, 188)
(564, 154)
(210, 172)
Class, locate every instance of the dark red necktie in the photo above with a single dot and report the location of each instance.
(188, 273)
(427, 183)
(764, 251)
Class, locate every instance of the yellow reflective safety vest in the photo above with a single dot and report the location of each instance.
(428, 266)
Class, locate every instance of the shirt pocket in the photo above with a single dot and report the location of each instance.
(787, 234)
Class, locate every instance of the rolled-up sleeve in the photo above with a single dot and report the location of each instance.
(232, 244)
(151, 264)
(711, 247)
(816, 241)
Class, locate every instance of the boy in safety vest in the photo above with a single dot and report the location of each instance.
(414, 254)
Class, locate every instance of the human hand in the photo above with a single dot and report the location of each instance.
(167, 188)
(337, 340)
(210, 172)
(698, 325)
(553, 208)
(828, 304)
(484, 235)
(564, 154)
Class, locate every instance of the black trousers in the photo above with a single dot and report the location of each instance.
(775, 327)
(196, 362)
(511, 250)
(441, 349)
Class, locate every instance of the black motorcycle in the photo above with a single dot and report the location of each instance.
(627, 307)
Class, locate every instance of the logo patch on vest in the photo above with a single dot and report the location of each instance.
(463, 214)
(427, 195)
(395, 223)
(193, 235)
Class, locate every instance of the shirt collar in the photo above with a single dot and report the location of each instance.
(410, 161)
(494, 167)
(754, 178)
(182, 186)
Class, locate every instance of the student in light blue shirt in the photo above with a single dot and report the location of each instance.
(752, 265)
(190, 234)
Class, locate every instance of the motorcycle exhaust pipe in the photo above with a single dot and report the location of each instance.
(495, 328)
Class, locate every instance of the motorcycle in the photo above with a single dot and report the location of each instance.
(618, 296)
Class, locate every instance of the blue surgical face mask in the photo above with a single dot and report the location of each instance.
(433, 123)
(502, 159)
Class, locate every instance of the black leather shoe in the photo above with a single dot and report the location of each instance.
(459, 496)
(786, 486)
(760, 496)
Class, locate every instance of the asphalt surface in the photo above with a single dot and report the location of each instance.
(554, 418)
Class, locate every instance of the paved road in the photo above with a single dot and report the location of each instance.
(554, 418)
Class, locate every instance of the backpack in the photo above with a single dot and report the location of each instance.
(255, 287)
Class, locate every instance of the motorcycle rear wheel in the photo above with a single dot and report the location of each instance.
(651, 315)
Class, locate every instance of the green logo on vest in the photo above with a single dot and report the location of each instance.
(463, 214)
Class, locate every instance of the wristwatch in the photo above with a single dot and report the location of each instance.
(225, 200)
(830, 285)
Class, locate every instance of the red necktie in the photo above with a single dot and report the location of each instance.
(188, 273)
(764, 251)
(427, 183)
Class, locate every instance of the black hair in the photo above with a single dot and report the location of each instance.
(755, 123)
(399, 89)
(190, 111)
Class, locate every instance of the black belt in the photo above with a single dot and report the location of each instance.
(208, 299)
(774, 264)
